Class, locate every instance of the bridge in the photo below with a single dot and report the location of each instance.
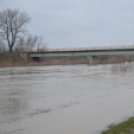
(94, 51)
(80, 55)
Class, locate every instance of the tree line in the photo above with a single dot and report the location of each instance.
(14, 35)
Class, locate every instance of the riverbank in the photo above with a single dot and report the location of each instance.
(9, 60)
(12, 60)
(22, 59)
(126, 127)
(15, 60)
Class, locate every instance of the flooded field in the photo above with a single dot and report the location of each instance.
(75, 99)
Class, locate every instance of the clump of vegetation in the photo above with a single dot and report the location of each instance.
(123, 67)
(127, 127)
(116, 59)
(14, 60)
(10, 60)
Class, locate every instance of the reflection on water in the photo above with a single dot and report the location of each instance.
(32, 91)
(13, 97)
(14, 105)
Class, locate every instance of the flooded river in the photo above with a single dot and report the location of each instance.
(75, 99)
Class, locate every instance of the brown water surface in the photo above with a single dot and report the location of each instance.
(63, 99)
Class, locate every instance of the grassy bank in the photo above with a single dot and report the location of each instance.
(126, 127)
(12, 60)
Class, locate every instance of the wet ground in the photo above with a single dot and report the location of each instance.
(63, 99)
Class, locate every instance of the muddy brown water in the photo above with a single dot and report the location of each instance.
(63, 99)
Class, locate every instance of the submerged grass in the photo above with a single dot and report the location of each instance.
(126, 127)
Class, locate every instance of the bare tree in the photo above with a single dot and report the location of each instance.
(31, 43)
(41, 45)
(26, 44)
(12, 26)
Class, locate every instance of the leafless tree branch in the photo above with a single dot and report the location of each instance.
(12, 25)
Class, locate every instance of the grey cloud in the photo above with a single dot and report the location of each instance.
(79, 22)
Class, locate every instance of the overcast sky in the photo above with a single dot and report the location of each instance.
(78, 23)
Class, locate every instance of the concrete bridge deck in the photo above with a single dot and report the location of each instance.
(93, 51)
(93, 48)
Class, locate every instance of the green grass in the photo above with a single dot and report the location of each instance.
(126, 127)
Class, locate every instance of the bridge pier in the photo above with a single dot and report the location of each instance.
(92, 60)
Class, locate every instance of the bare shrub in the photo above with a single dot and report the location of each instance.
(27, 43)
(123, 67)
(116, 59)
(41, 45)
